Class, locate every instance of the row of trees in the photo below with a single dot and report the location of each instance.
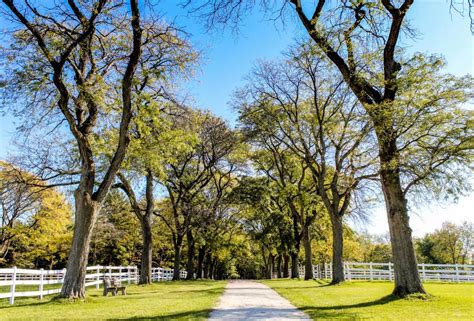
(39, 237)
(320, 132)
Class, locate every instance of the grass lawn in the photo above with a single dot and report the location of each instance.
(183, 300)
(360, 300)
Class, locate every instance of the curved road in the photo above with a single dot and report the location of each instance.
(250, 300)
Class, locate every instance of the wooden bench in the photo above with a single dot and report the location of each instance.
(113, 285)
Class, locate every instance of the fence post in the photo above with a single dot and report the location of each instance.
(97, 276)
(423, 272)
(390, 271)
(12, 286)
(129, 274)
(457, 273)
(63, 276)
(136, 274)
(41, 284)
(120, 273)
(370, 271)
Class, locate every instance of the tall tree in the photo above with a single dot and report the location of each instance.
(68, 53)
(167, 58)
(344, 31)
(192, 171)
(302, 106)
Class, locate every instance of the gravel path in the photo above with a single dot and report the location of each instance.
(250, 300)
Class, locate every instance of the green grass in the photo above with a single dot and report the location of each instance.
(372, 301)
(183, 300)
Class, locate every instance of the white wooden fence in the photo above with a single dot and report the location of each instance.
(13, 277)
(384, 271)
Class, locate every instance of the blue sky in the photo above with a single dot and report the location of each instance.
(229, 56)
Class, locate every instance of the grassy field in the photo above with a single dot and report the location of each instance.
(184, 300)
(372, 301)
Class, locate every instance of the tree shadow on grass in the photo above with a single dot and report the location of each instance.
(186, 315)
(337, 311)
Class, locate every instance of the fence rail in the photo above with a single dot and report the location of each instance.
(384, 271)
(14, 277)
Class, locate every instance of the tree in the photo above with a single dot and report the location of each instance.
(116, 239)
(294, 189)
(192, 171)
(18, 201)
(152, 137)
(451, 244)
(67, 56)
(34, 221)
(345, 32)
(46, 237)
(302, 106)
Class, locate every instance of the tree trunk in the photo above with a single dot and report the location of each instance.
(201, 253)
(177, 256)
(407, 279)
(147, 251)
(337, 249)
(270, 263)
(286, 266)
(294, 266)
(86, 211)
(296, 251)
(212, 269)
(190, 262)
(308, 255)
(279, 267)
(207, 265)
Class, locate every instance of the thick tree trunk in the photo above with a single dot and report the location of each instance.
(296, 251)
(294, 265)
(177, 256)
(407, 280)
(147, 251)
(337, 249)
(279, 267)
(190, 262)
(199, 271)
(270, 263)
(212, 269)
(86, 212)
(207, 265)
(308, 255)
(286, 266)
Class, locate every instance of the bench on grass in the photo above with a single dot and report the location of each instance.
(113, 285)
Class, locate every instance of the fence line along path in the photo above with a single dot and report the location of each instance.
(384, 271)
(22, 282)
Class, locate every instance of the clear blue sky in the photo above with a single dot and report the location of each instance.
(228, 57)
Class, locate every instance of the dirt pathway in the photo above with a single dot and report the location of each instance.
(250, 300)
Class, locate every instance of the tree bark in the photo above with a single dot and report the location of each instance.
(279, 267)
(201, 253)
(177, 256)
(270, 264)
(337, 249)
(190, 262)
(286, 266)
(294, 265)
(207, 265)
(407, 280)
(212, 269)
(147, 251)
(308, 255)
(86, 212)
